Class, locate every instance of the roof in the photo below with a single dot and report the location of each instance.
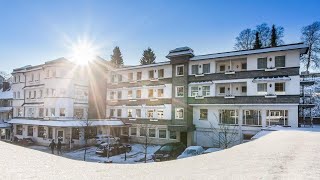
(67, 123)
(296, 46)
(6, 94)
(4, 125)
(271, 79)
(143, 66)
(180, 51)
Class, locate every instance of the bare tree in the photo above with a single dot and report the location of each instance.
(87, 126)
(264, 34)
(222, 134)
(245, 40)
(148, 137)
(311, 37)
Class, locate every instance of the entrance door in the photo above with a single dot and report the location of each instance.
(60, 135)
(183, 138)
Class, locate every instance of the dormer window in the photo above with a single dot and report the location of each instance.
(280, 61)
(194, 69)
(262, 63)
(161, 73)
(206, 68)
(222, 68)
(180, 70)
(151, 74)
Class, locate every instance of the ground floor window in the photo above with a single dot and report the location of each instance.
(75, 133)
(124, 131)
(41, 131)
(251, 117)
(277, 117)
(143, 132)
(162, 133)
(203, 114)
(91, 132)
(19, 129)
(173, 134)
(228, 116)
(30, 130)
(133, 131)
(152, 132)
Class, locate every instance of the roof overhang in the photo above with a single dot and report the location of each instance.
(68, 123)
(271, 79)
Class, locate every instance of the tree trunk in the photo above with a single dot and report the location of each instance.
(309, 59)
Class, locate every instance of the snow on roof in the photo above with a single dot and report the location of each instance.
(195, 147)
(5, 109)
(260, 134)
(202, 82)
(271, 79)
(4, 125)
(143, 66)
(67, 123)
(253, 51)
(6, 94)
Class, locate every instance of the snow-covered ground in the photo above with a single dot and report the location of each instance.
(278, 155)
(136, 155)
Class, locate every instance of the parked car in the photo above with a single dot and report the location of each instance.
(100, 139)
(168, 151)
(114, 149)
(191, 151)
(210, 150)
(26, 142)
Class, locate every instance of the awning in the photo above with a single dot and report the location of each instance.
(271, 79)
(5, 125)
(68, 123)
(5, 109)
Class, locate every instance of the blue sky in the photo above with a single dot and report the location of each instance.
(32, 32)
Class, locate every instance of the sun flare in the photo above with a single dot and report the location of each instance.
(83, 51)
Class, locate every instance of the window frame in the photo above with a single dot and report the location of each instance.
(177, 92)
(176, 113)
(177, 67)
(259, 61)
(203, 118)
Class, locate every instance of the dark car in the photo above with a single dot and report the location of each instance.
(169, 151)
(114, 149)
(26, 142)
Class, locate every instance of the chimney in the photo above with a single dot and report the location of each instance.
(5, 86)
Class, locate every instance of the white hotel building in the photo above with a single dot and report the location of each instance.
(182, 99)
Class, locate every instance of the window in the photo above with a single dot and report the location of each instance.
(279, 87)
(194, 91)
(161, 73)
(124, 131)
(203, 114)
(244, 89)
(30, 130)
(130, 113)
(173, 134)
(75, 133)
(19, 129)
(262, 87)
(139, 76)
(243, 66)
(206, 68)
(113, 78)
(91, 132)
(53, 73)
(180, 70)
(20, 111)
(277, 117)
(41, 131)
(280, 61)
(47, 112)
(162, 133)
(29, 94)
(18, 95)
(112, 95)
(151, 74)
(138, 113)
(222, 90)
(62, 112)
(179, 91)
(30, 112)
(41, 93)
(205, 90)
(78, 113)
(41, 112)
(160, 113)
(130, 94)
(119, 78)
(179, 113)
(251, 117)
(119, 112)
(262, 63)
(152, 133)
(133, 131)
(50, 134)
(34, 94)
(53, 112)
(138, 95)
(143, 132)
(14, 95)
(119, 94)
(194, 69)
(222, 68)
(150, 93)
(130, 77)
(228, 116)
(150, 113)
(112, 111)
(53, 92)
(160, 92)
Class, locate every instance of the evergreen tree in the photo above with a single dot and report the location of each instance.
(274, 37)
(257, 44)
(116, 57)
(148, 57)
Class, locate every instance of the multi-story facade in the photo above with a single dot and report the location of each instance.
(5, 111)
(50, 101)
(184, 99)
